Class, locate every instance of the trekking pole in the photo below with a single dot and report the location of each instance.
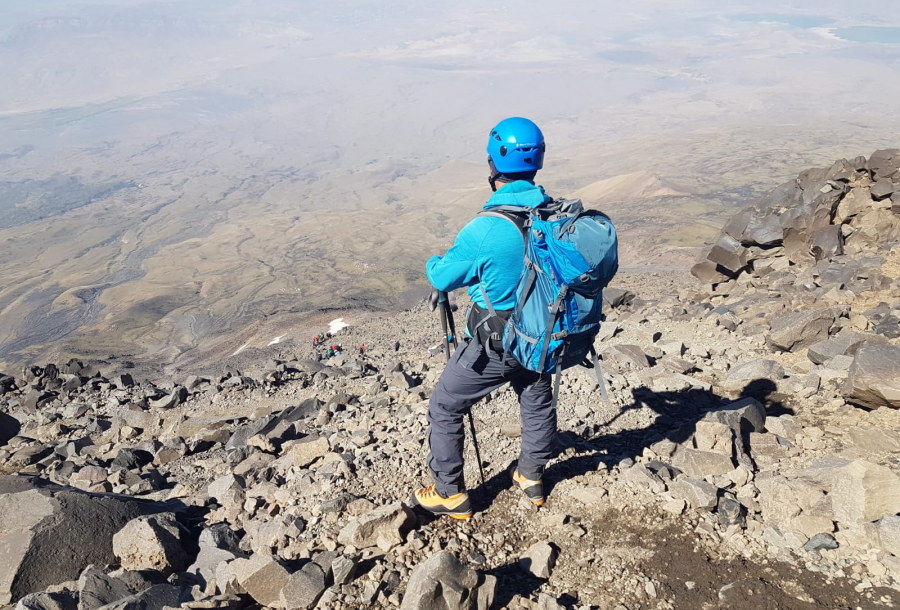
(445, 314)
(449, 327)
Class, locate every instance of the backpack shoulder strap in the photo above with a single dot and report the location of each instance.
(520, 217)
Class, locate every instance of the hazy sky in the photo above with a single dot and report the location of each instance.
(337, 85)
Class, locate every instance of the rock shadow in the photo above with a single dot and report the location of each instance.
(677, 414)
(9, 427)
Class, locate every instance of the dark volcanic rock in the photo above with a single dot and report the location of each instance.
(808, 219)
(49, 534)
(9, 427)
(272, 423)
(795, 331)
(884, 163)
(844, 344)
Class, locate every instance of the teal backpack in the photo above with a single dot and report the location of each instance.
(571, 255)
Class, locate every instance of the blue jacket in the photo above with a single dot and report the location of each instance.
(488, 250)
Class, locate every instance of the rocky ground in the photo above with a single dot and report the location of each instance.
(747, 457)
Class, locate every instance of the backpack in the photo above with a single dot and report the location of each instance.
(571, 255)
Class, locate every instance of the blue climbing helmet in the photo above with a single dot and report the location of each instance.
(515, 146)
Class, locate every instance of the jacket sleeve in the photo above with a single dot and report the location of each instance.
(459, 267)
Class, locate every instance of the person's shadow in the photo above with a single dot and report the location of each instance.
(677, 414)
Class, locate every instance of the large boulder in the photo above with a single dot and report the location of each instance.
(796, 331)
(156, 597)
(863, 492)
(740, 376)
(49, 533)
(304, 587)
(441, 582)
(97, 589)
(874, 379)
(844, 344)
(262, 577)
(153, 542)
(272, 426)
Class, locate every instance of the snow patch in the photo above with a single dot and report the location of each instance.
(336, 325)
(240, 349)
(276, 340)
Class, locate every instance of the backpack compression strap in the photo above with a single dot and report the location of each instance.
(521, 219)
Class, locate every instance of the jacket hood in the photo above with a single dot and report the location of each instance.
(520, 193)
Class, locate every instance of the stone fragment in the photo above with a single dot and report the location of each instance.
(766, 444)
(219, 536)
(782, 499)
(699, 464)
(795, 331)
(889, 534)
(304, 587)
(588, 495)
(153, 542)
(875, 439)
(884, 163)
(821, 542)
(728, 253)
(874, 379)
(882, 189)
(696, 492)
(262, 577)
(308, 450)
(617, 297)
(863, 492)
(744, 416)
(219, 487)
(640, 476)
(731, 512)
(714, 436)
(629, 356)
(827, 242)
(344, 569)
(274, 423)
(156, 597)
(385, 527)
(208, 561)
(783, 426)
(844, 344)
(548, 602)
(49, 534)
(173, 399)
(97, 589)
(441, 582)
(63, 600)
(709, 273)
(540, 559)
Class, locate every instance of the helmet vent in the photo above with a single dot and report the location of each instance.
(503, 151)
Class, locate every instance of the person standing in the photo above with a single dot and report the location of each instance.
(487, 257)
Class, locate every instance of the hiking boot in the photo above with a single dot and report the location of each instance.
(533, 490)
(456, 506)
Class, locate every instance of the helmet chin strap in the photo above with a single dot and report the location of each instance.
(492, 179)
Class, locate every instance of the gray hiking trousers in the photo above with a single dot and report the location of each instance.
(471, 374)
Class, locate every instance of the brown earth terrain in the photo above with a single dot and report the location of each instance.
(747, 456)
